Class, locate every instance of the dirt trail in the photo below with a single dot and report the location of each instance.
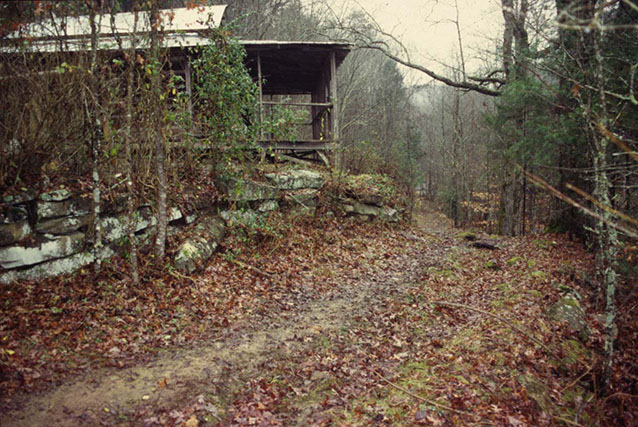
(112, 395)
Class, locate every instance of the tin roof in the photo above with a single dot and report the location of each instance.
(181, 27)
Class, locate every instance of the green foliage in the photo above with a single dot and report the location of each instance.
(225, 94)
(225, 103)
(528, 126)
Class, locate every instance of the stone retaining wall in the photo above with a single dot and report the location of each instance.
(43, 235)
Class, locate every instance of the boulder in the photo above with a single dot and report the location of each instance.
(239, 190)
(60, 247)
(64, 225)
(196, 250)
(14, 232)
(296, 179)
(568, 310)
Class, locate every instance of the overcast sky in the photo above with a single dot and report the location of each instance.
(426, 27)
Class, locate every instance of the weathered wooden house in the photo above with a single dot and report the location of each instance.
(295, 74)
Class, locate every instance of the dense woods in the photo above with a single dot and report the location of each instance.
(545, 139)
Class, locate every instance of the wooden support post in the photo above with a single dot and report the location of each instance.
(334, 113)
(261, 106)
(189, 86)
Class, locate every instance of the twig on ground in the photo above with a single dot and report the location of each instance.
(565, 420)
(176, 274)
(573, 383)
(426, 400)
(251, 268)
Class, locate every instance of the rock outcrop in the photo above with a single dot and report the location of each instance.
(296, 180)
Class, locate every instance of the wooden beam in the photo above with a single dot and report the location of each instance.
(299, 104)
(189, 86)
(334, 112)
(261, 96)
(297, 145)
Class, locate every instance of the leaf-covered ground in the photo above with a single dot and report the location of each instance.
(329, 322)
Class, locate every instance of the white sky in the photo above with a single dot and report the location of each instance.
(427, 29)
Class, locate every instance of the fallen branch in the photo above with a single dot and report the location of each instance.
(483, 245)
(424, 399)
(176, 274)
(499, 318)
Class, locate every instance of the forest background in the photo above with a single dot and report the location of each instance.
(541, 137)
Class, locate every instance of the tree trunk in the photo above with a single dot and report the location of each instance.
(130, 200)
(607, 236)
(158, 136)
(91, 107)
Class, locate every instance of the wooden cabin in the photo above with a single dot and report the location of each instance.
(291, 74)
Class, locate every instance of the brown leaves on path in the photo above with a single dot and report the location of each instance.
(329, 322)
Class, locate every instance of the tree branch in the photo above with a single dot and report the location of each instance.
(449, 82)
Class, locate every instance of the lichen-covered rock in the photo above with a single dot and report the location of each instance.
(24, 197)
(246, 217)
(268, 206)
(389, 214)
(11, 214)
(240, 190)
(57, 209)
(568, 309)
(56, 195)
(60, 247)
(14, 232)
(355, 207)
(370, 199)
(115, 228)
(64, 225)
(296, 179)
(197, 249)
(213, 228)
(174, 215)
(305, 198)
(55, 267)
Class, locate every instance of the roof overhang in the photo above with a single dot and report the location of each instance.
(292, 67)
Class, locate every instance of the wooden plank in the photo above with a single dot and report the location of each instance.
(334, 112)
(298, 146)
(261, 96)
(299, 104)
(189, 86)
(333, 96)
